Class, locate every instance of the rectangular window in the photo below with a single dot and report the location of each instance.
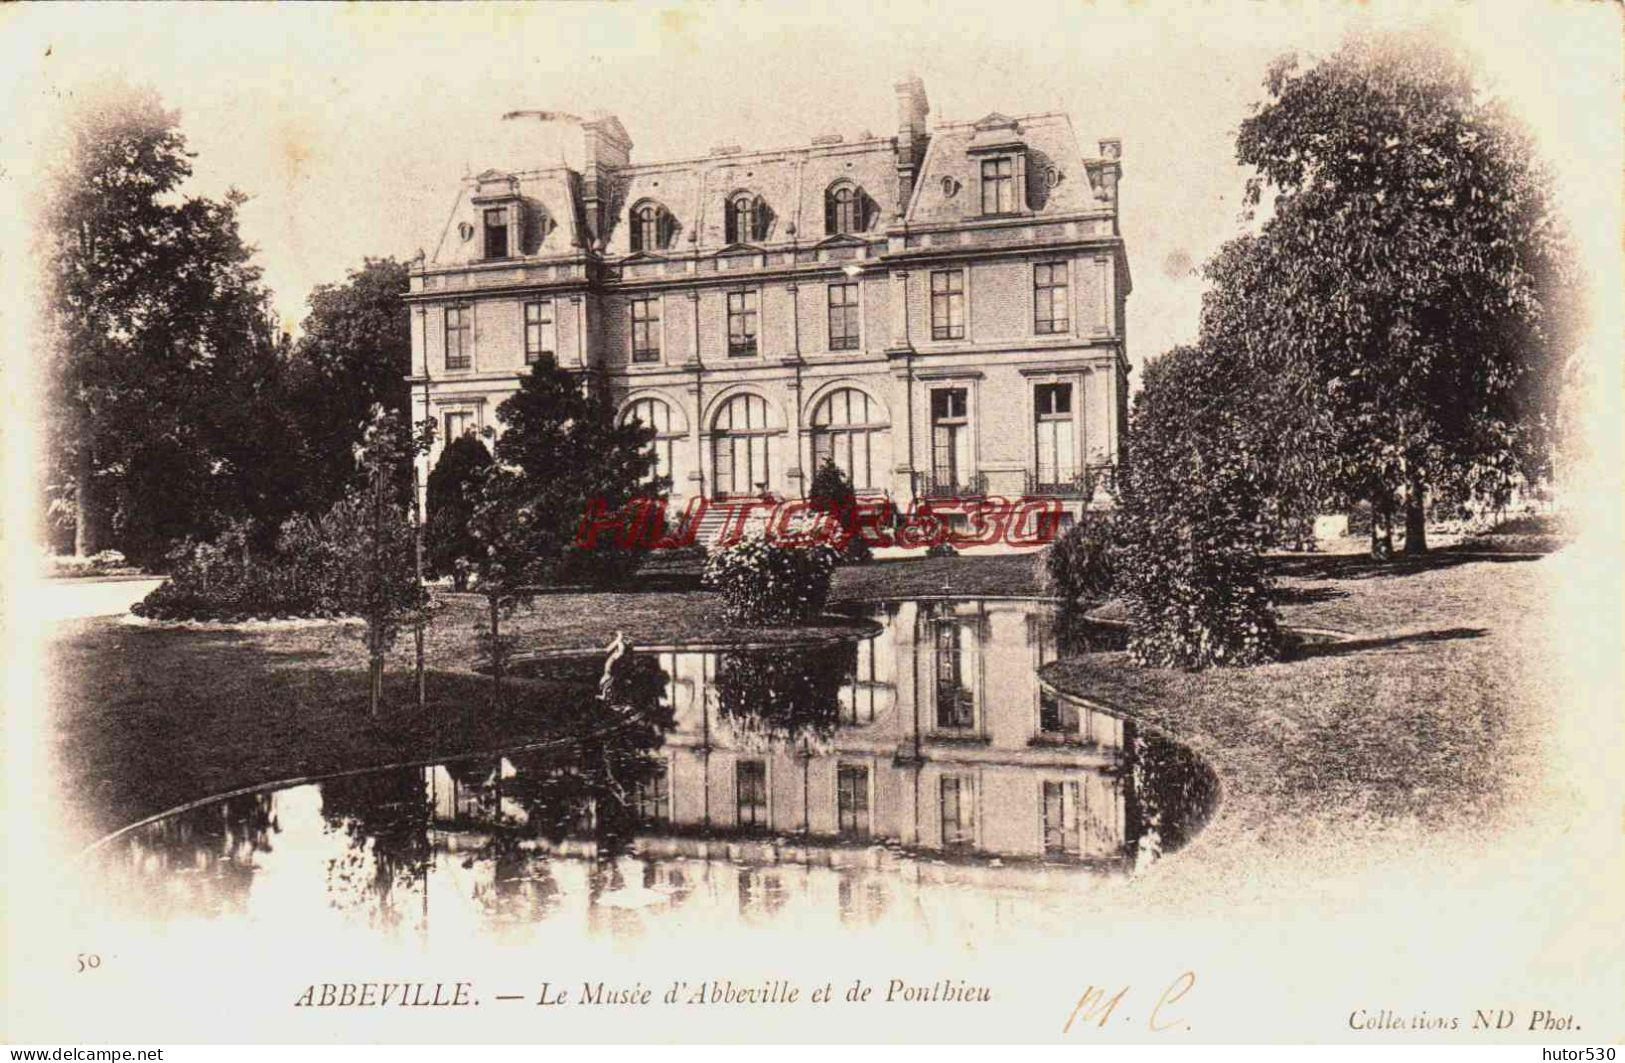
(956, 702)
(1053, 432)
(1049, 299)
(654, 796)
(1061, 834)
(458, 424)
(741, 324)
(852, 799)
(539, 334)
(948, 304)
(999, 186)
(750, 781)
(1057, 717)
(958, 805)
(496, 232)
(646, 329)
(459, 351)
(950, 439)
(843, 317)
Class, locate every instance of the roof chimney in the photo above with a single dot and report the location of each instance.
(605, 148)
(912, 109)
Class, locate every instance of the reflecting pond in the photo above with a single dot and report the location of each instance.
(921, 776)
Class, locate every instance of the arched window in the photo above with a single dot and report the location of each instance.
(657, 414)
(846, 210)
(747, 218)
(651, 227)
(739, 447)
(850, 429)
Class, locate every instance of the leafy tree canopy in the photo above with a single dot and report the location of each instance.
(165, 372)
(562, 447)
(1407, 307)
(355, 352)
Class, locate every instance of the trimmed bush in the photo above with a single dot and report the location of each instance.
(1080, 566)
(763, 582)
(318, 569)
(1193, 523)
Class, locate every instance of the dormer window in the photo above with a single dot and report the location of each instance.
(847, 210)
(651, 227)
(1001, 148)
(747, 220)
(496, 232)
(999, 185)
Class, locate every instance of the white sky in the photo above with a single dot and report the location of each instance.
(350, 126)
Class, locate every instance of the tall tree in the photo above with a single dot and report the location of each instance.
(1413, 290)
(161, 341)
(355, 352)
(453, 482)
(562, 455)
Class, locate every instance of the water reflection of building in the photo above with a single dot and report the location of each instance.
(943, 739)
(889, 779)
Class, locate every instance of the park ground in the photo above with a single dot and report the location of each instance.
(1423, 717)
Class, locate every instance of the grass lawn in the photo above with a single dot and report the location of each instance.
(1408, 721)
(1424, 720)
(146, 718)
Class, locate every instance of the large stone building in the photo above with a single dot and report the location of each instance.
(941, 311)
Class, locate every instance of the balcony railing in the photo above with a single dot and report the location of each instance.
(1048, 484)
(1060, 484)
(971, 486)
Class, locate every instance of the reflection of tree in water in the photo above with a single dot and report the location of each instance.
(785, 694)
(217, 842)
(592, 791)
(1174, 791)
(385, 817)
(588, 793)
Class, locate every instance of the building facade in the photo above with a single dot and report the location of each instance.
(939, 312)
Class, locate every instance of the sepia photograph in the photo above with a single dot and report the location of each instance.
(1082, 523)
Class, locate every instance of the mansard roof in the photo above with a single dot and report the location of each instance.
(791, 182)
(551, 205)
(1057, 182)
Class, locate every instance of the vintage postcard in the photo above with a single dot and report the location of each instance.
(1049, 522)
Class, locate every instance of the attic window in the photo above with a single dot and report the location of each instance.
(846, 210)
(999, 185)
(651, 227)
(747, 218)
(496, 232)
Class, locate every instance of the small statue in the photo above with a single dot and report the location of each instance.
(617, 649)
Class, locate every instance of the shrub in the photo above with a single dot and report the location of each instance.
(1193, 522)
(94, 565)
(770, 583)
(1080, 566)
(832, 493)
(318, 568)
